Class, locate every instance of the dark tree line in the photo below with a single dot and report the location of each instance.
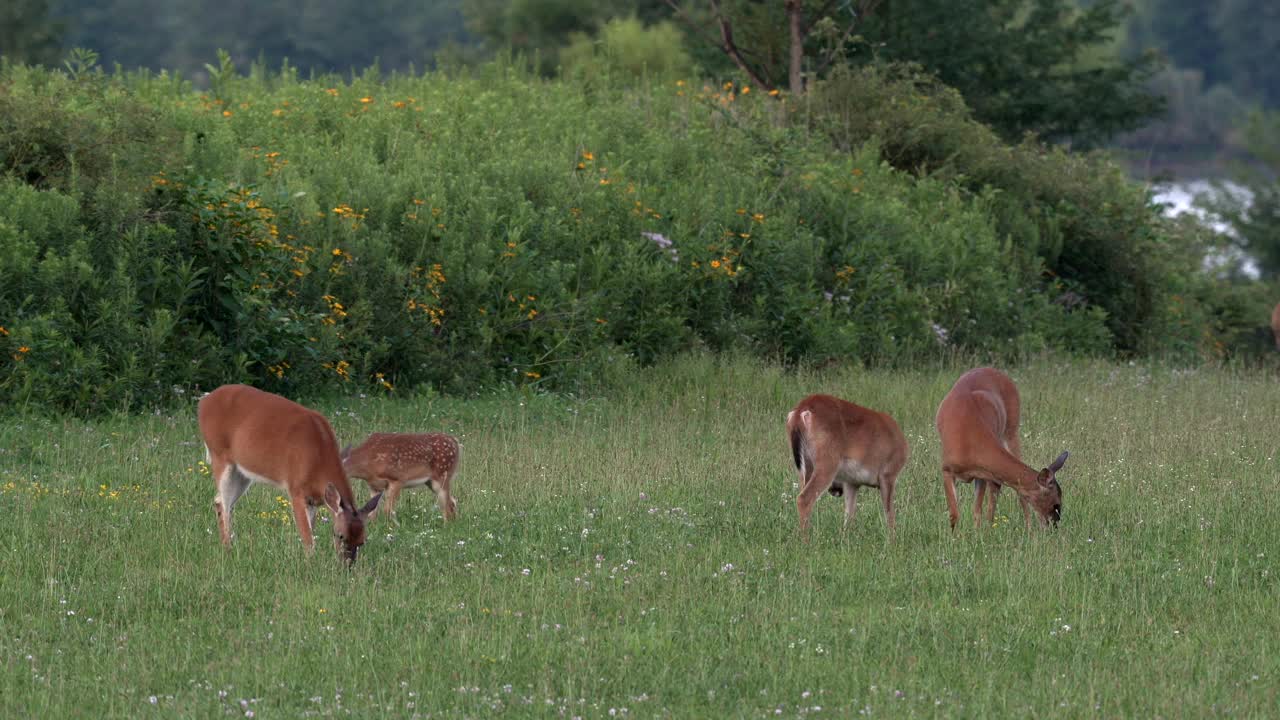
(1063, 69)
(313, 35)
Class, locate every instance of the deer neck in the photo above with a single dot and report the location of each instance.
(1014, 473)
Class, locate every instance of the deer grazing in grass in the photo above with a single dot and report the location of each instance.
(391, 462)
(838, 447)
(978, 423)
(254, 436)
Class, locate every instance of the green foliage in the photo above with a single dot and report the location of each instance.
(1101, 243)
(1250, 34)
(1252, 206)
(536, 29)
(626, 49)
(1184, 30)
(1022, 65)
(493, 228)
(1046, 67)
(1200, 123)
(1222, 53)
(29, 32)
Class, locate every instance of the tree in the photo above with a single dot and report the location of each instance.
(775, 43)
(29, 33)
(1254, 215)
(540, 27)
(1041, 66)
(1250, 34)
(1024, 65)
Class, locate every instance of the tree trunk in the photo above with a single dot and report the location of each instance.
(795, 76)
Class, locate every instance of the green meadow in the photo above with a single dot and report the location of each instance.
(635, 554)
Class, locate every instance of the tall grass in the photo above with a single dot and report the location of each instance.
(636, 554)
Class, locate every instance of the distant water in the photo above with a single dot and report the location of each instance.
(1189, 197)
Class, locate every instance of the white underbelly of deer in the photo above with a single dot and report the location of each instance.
(852, 472)
(259, 478)
(419, 482)
(837, 447)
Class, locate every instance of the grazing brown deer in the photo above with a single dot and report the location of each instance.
(978, 423)
(254, 436)
(838, 447)
(391, 462)
(1275, 324)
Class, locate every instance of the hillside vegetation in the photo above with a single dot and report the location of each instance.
(462, 230)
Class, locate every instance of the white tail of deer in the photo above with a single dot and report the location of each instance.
(255, 436)
(978, 423)
(838, 447)
(391, 462)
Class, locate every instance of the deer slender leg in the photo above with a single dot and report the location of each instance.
(850, 503)
(979, 494)
(231, 485)
(949, 486)
(301, 517)
(887, 485)
(818, 482)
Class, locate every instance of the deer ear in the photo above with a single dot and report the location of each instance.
(1044, 477)
(1056, 465)
(370, 506)
(332, 499)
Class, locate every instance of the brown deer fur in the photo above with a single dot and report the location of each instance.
(837, 447)
(391, 462)
(978, 424)
(255, 436)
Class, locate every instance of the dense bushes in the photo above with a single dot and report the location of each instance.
(1093, 229)
(459, 232)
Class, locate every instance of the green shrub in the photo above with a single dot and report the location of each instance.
(493, 228)
(625, 49)
(1077, 214)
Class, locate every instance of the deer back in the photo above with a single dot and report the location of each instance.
(404, 456)
(274, 438)
(826, 424)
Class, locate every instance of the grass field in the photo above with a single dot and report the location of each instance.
(637, 556)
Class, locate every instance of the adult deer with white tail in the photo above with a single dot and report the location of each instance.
(254, 436)
(391, 462)
(837, 447)
(978, 423)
